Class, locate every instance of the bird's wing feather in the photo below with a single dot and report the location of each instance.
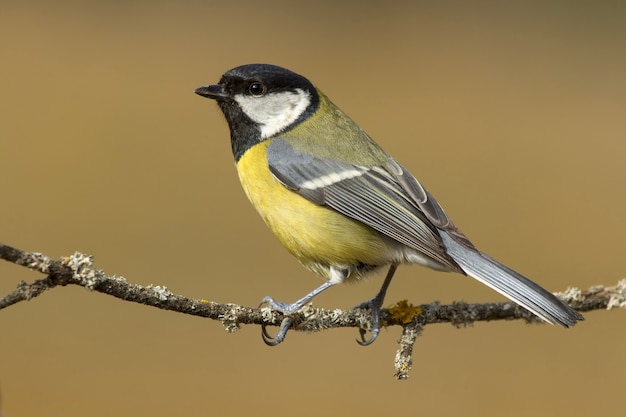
(370, 195)
(389, 199)
(511, 284)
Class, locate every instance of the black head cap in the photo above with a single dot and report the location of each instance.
(239, 80)
(254, 80)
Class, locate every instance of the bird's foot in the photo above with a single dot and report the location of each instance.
(280, 336)
(375, 304)
(281, 307)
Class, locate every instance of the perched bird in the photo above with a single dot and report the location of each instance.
(339, 203)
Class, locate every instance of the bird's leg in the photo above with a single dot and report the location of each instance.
(336, 276)
(375, 304)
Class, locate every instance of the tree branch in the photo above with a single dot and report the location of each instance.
(78, 270)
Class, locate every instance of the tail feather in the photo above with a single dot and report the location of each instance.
(511, 284)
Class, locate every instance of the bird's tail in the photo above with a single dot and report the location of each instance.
(511, 284)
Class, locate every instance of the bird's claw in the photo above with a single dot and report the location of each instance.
(374, 305)
(283, 308)
(375, 330)
(280, 336)
(278, 305)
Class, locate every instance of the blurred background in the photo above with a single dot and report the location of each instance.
(511, 113)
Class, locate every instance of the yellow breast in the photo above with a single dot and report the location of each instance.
(317, 236)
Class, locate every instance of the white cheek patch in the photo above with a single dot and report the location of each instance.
(332, 178)
(275, 111)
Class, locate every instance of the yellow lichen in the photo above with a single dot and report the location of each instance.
(404, 311)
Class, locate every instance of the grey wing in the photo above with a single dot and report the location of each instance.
(482, 267)
(390, 200)
(370, 195)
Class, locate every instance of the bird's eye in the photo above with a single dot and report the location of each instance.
(256, 89)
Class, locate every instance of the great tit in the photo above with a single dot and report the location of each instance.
(339, 203)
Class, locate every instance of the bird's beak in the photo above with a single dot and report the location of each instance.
(215, 92)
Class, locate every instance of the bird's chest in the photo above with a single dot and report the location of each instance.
(310, 232)
(290, 216)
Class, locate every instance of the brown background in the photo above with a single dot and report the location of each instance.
(513, 116)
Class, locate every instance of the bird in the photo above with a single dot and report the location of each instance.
(339, 203)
